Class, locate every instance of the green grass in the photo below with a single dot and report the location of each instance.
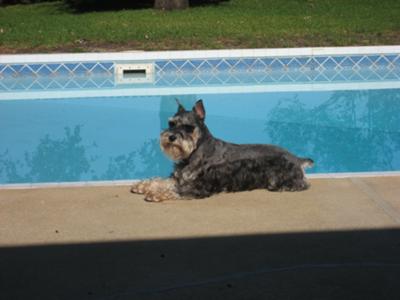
(50, 27)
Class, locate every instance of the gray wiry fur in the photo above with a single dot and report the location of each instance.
(205, 165)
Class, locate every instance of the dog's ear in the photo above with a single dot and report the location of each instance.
(180, 106)
(198, 108)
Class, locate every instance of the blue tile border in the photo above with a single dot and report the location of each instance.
(56, 69)
(209, 71)
(391, 61)
(214, 65)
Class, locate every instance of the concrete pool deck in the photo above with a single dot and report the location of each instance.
(338, 240)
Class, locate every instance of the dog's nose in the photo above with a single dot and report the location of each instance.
(172, 138)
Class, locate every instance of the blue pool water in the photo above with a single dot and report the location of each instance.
(117, 137)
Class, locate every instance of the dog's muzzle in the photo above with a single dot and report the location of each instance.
(167, 138)
(176, 145)
(168, 144)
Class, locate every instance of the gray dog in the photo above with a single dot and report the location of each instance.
(205, 165)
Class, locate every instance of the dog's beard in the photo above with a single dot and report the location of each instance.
(177, 150)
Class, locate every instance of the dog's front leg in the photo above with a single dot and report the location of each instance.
(156, 189)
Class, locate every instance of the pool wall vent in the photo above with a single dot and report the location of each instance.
(134, 73)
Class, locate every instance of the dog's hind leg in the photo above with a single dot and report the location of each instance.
(298, 182)
(291, 180)
(156, 189)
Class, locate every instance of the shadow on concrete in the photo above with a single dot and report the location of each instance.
(328, 265)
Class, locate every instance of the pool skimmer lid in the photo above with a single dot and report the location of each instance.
(137, 73)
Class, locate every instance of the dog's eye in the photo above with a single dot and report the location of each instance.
(188, 128)
(171, 124)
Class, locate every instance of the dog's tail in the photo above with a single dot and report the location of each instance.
(306, 163)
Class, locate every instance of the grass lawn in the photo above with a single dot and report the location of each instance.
(52, 27)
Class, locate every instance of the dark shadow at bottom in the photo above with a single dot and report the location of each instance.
(318, 265)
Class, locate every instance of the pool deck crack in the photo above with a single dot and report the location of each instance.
(378, 199)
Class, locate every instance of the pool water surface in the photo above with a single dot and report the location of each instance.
(113, 138)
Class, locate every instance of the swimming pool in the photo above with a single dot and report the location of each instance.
(64, 127)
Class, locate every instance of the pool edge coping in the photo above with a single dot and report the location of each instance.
(195, 54)
(110, 183)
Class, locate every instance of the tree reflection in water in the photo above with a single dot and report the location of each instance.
(67, 158)
(63, 159)
(351, 131)
(120, 167)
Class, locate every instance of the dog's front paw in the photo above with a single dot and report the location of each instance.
(161, 195)
(151, 197)
(140, 187)
(156, 189)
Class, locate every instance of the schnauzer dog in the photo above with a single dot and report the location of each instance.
(205, 165)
